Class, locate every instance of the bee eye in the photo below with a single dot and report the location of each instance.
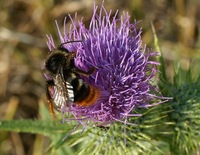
(54, 62)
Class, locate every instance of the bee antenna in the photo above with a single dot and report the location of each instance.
(67, 42)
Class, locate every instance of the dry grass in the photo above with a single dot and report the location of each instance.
(24, 24)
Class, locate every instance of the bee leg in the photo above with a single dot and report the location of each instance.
(76, 70)
(84, 73)
(48, 88)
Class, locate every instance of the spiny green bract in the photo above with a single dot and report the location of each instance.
(185, 114)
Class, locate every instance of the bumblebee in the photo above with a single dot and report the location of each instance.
(64, 85)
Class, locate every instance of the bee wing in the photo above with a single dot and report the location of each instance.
(63, 92)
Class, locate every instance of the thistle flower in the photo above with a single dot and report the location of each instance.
(125, 75)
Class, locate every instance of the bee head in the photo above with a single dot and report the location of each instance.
(60, 58)
(55, 62)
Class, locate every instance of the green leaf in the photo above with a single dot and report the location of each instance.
(162, 67)
(32, 126)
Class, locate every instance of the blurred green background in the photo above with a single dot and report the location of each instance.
(24, 24)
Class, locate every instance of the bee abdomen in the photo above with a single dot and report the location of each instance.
(84, 94)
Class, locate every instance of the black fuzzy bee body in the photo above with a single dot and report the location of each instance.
(64, 85)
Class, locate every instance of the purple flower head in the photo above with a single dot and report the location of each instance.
(124, 76)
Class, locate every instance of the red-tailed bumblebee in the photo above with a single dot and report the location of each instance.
(64, 85)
